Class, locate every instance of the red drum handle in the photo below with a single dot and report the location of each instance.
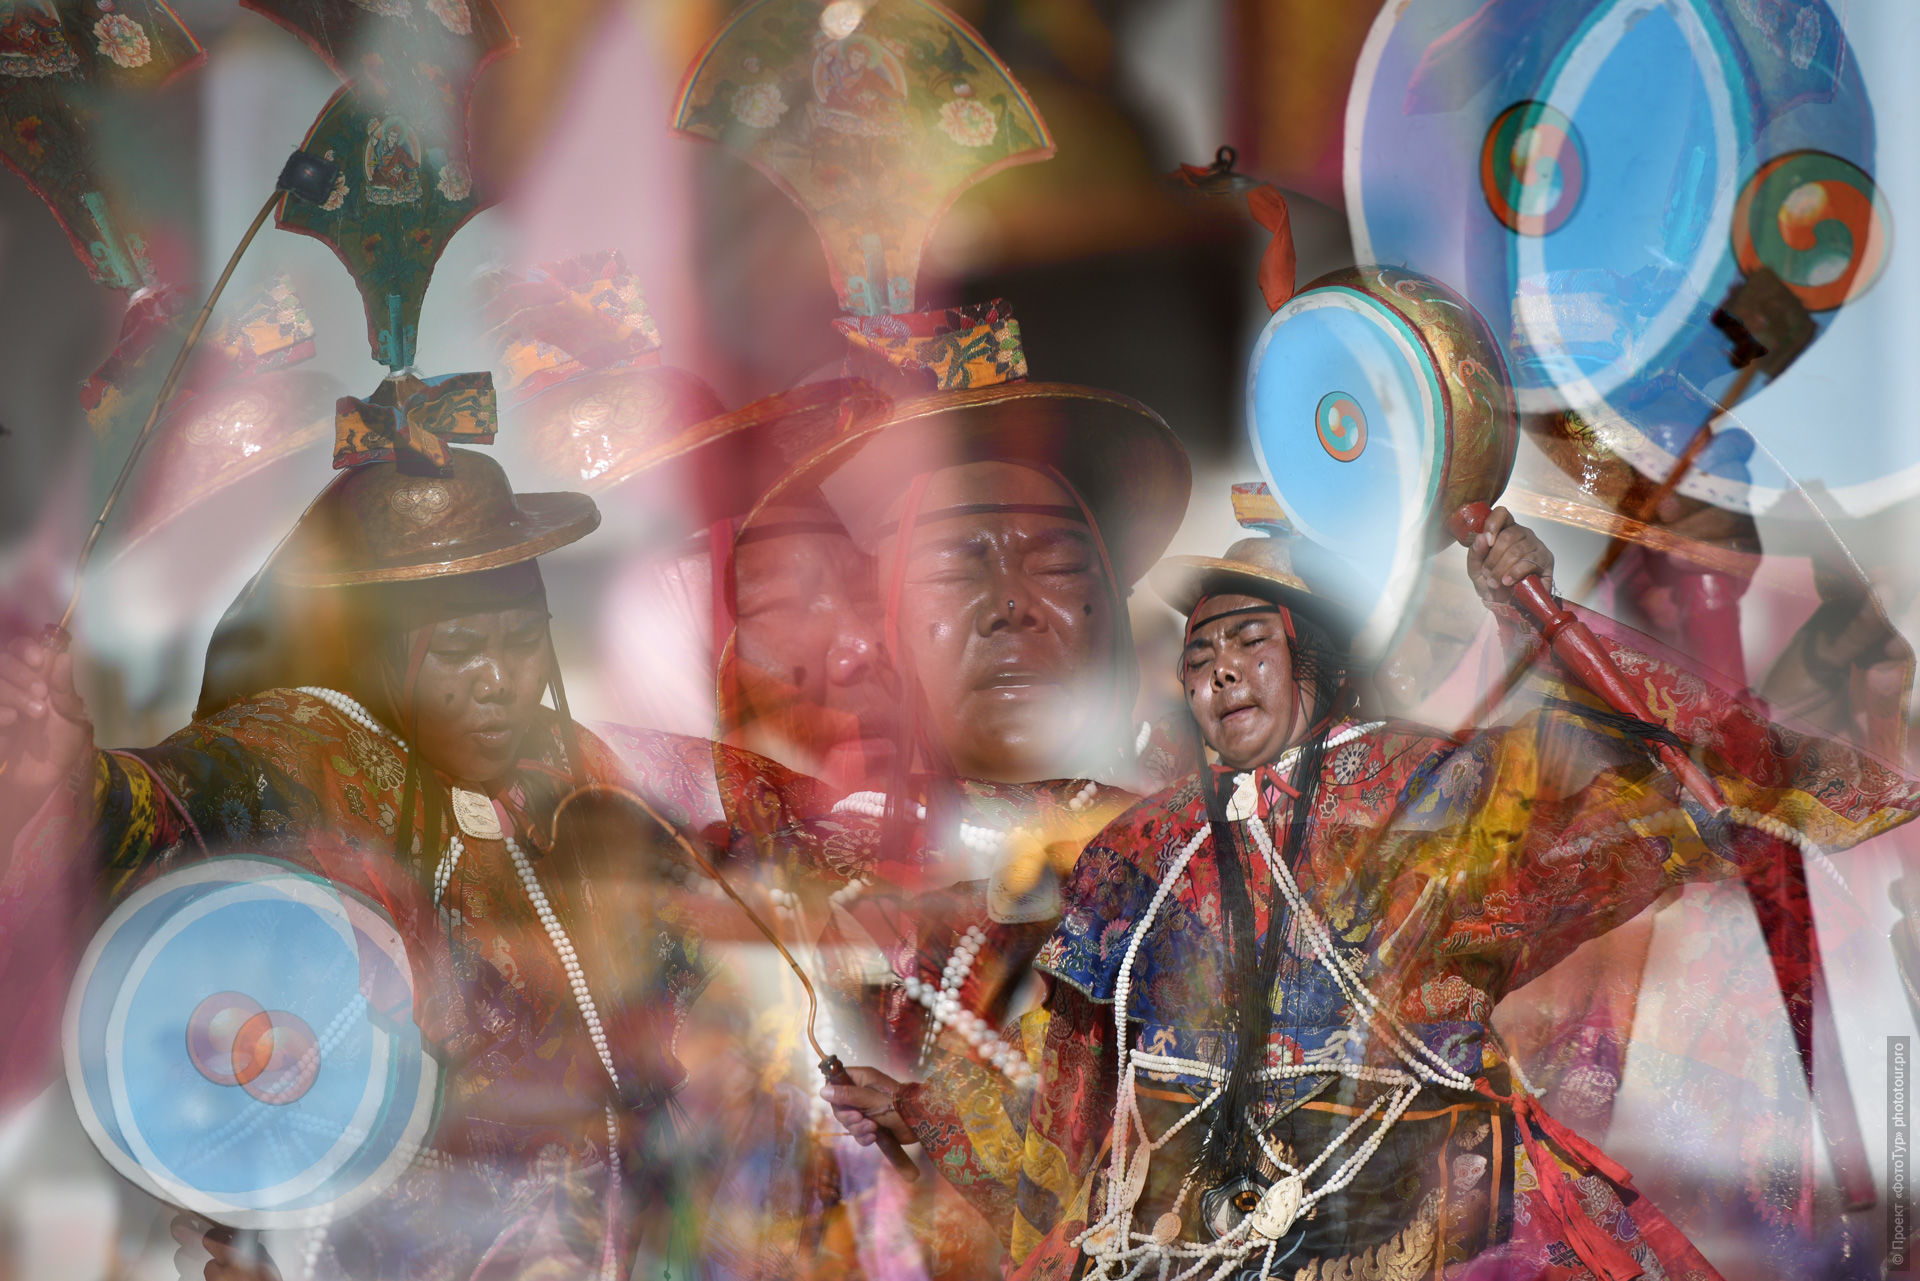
(1584, 656)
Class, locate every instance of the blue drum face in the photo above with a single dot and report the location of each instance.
(1597, 176)
(1347, 414)
(240, 1042)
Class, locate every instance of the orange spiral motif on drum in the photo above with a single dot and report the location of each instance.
(1818, 222)
(1342, 426)
(271, 1054)
(1533, 168)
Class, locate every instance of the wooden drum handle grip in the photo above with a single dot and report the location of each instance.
(836, 1073)
(1587, 659)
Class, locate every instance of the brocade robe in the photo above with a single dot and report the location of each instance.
(517, 1181)
(1448, 873)
(848, 1215)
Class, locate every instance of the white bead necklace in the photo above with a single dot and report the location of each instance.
(978, 837)
(1120, 1252)
(871, 804)
(469, 816)
(979, 1036)
(952, 977)
(943, 1001)
(576, 976)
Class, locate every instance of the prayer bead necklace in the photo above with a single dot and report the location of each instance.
(943, 1001)
(1119, 1252)
(471, 818)
(978, 837)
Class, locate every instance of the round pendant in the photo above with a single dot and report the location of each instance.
(1166, 1229)
(475, 814)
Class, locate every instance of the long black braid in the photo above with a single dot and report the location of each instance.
(1321, 668)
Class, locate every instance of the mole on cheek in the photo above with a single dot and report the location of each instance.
(447, 699)
(1087, 609)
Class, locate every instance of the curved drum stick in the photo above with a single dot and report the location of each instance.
(830, 1065)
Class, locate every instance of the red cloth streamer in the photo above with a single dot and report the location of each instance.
(722, 583)
(1595, 1246)
(1278, 264)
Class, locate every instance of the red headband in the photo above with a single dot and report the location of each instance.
(1286, 625)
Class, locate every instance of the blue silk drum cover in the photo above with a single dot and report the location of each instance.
(1597, 176)
(240, 1042)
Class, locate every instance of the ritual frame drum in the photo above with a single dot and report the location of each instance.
(1379, 403)
(1598, 177)
(240, 1042)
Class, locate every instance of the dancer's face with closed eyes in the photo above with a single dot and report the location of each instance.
(1238, 672)
(1007, 620)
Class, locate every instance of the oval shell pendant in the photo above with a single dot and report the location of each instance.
(1279, 1207)
(1136, 1175)
(475, 814)
(1166, 1229)
(1245, 801)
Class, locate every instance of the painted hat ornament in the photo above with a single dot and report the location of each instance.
(874, 118)
(55, 61)
(1602, 179)
(63, 70)
(403, 186)
(872, 115)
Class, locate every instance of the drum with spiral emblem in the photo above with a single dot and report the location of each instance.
(240, 1042)
(1379, 403)
(1597, 177)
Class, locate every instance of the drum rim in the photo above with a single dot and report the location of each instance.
(424, 1107)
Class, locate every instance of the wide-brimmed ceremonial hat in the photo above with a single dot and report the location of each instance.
(378, 523)
(729, 460)
(1261, 566)
(1119, 456)
(1275, 564)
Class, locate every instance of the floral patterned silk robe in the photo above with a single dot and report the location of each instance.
(517, 1181)
(1449, 873)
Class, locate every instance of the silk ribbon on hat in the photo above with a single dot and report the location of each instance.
(415, 420)
(955, 348)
